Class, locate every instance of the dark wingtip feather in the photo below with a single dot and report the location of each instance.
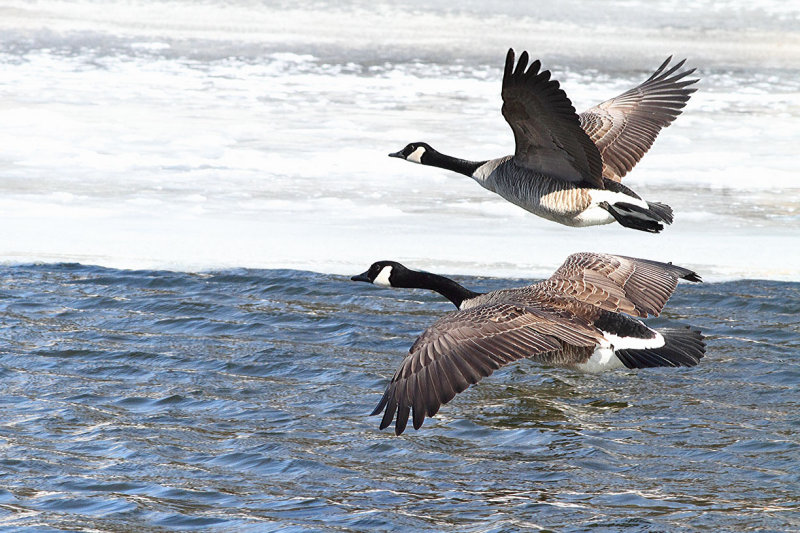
(522, 63)
(418, 401)
(693, 276)
(659, 70)
(418, 417)
(391, 407)
(509, 62)
(685, 273)
(545, 76)
(402, 419)
(662, 74)
(382, 403)
(672, 70)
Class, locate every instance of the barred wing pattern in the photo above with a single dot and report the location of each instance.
(625, 127)
(637, 287)
(548, 134)
(465, 346)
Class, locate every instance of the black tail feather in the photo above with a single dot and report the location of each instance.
(663, 211)
(682, 347)
(635, 217)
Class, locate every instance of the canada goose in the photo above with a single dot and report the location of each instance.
(567, 167)
(577, 318)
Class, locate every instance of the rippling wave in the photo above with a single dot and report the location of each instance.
(239, 399)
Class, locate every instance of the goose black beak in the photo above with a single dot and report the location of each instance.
(361, 277)
(397, 154)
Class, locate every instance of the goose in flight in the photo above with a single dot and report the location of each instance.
(568, 167)
(581, 317)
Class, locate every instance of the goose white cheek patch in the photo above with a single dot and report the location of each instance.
(382, 279)
(416, 155)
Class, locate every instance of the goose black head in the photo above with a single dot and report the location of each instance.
(382, 273)
(413, 152)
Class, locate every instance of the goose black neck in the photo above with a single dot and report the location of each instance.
(462, 166)
(444, 286)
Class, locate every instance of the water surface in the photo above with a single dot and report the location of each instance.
(238, 399)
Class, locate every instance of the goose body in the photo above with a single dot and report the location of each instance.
(585, 316)
(567, 167)
(566, 202)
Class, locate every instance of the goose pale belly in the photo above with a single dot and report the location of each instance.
(547, 197)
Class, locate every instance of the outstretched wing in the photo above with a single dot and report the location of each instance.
(465, 346)
(625, 127)
(638, 287)
(547, 131)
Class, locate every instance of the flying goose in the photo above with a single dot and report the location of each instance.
(567, 167)
(578, 318)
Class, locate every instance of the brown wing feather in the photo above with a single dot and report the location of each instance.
(547, 131)
(625, 127)
(629, 285)
(466, 346)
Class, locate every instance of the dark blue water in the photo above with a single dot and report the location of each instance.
(237, 400)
